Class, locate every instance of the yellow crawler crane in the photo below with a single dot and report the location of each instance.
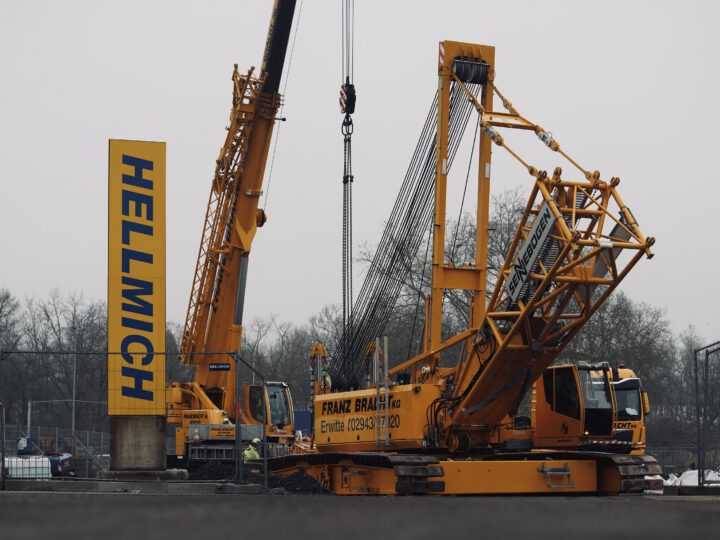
(202, 414)
(424, 428)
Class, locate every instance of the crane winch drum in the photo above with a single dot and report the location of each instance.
(471, 70)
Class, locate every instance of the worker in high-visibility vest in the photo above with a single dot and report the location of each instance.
(251, 452)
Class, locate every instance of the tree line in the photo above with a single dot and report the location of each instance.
(623, 331)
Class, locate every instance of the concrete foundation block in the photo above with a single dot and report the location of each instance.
(131, 487)
(167, 475)
(138, 443)
(136, 486)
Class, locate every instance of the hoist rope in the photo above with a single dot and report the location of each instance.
(348, 39)
(347, 105)
(409, 221)
(419, 302)
(462, 202)
(282, 108)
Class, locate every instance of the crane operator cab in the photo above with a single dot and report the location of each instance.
(274, 399)
(278, 403)
(593, 407)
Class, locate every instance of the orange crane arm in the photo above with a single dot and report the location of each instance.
(215, 309)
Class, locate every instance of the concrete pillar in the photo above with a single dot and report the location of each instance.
(137, 443)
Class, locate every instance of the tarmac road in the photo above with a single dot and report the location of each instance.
(76, 516)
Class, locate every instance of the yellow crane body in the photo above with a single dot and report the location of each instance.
(453, 430)
(352, 421)
(202, 414)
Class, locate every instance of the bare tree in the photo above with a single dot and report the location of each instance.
(9, 321)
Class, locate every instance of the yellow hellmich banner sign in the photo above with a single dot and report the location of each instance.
(136, 278)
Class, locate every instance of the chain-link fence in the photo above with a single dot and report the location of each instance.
(54, 452)
(706, 367)
(678, 459)
(57, 426)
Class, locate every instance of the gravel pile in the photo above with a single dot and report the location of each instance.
(213, 470)
(295, 483)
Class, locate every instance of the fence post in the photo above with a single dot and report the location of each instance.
(701, 472)
(2, 430)
(87, 456)
(264, 442)
(2, 446)
(29, 415)
(238, 439)
(697, 415)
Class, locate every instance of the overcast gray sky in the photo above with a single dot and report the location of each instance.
(629, 88)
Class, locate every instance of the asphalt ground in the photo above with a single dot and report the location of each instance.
(76, 516)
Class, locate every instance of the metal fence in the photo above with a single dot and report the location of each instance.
(54, 452)
(706, 361)
(67, 390)
(677, 459)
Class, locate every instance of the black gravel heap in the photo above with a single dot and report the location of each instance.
(295, 483)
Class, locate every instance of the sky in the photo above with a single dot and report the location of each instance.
(629, 88)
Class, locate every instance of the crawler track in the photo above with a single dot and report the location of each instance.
(405, 474)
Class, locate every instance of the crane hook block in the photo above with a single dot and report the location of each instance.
(471, 70)
(347, 98)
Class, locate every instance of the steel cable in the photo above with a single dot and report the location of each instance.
(409, 221)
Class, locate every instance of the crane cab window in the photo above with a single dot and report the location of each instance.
(561, 391)
(598, 405)
(279, 408)
(548, 386)
(257, 403)
(595, 391)
(627, 394)
(567, 401)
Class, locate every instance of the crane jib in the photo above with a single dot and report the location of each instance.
(276, 45)
(530, 250)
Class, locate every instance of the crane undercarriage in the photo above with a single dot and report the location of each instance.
(541, 472)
